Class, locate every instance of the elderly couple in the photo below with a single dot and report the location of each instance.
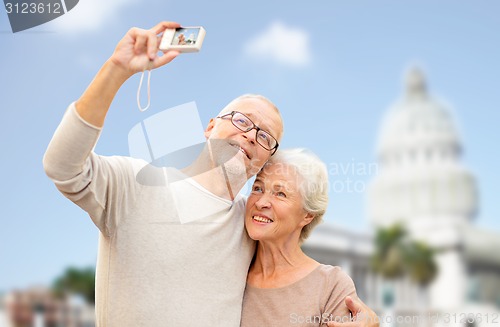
(182, 252)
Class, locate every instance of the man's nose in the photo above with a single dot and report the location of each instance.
(250, 135)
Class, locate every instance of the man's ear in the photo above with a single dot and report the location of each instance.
(209, 128)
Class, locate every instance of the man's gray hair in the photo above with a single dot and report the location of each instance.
(226, 109)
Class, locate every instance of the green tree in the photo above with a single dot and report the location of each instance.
(397, 255)
(419, 258)
(79, 281)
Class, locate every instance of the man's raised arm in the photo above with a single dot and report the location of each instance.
(136, 52)
(89, 180)
(73, 140)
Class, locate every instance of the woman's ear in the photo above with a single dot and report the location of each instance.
(307, 219)
(209, 128)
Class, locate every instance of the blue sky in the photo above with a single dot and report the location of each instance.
(333, 68)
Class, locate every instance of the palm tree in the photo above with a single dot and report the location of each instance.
(79, 281)
(397, 255)
(422, 267)
(388, 259)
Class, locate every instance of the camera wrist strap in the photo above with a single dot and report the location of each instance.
(149, 68)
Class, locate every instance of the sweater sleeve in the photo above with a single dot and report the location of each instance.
(102, 186)
(341, 285)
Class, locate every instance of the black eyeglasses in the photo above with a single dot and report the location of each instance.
(245, 124)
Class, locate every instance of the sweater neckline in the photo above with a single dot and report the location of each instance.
(293, 284)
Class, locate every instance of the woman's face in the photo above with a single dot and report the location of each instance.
(274, 210)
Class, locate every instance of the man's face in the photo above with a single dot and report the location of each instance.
(229, 143)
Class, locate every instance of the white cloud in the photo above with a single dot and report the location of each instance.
(282, 44)
(90, 15)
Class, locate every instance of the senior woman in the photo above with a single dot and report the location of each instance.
(285, 287)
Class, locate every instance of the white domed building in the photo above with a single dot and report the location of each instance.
(422, 185)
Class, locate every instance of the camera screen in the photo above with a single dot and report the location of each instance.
(185, 36)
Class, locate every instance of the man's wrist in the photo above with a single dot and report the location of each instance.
(116, 71)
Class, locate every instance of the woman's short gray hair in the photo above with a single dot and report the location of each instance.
(313, 182)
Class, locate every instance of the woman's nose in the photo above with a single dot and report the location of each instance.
(263, 202)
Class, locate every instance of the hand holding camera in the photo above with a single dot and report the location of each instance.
(136, 52)
(138, 49)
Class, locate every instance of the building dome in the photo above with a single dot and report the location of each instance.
(420, 176)
(417, 123)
